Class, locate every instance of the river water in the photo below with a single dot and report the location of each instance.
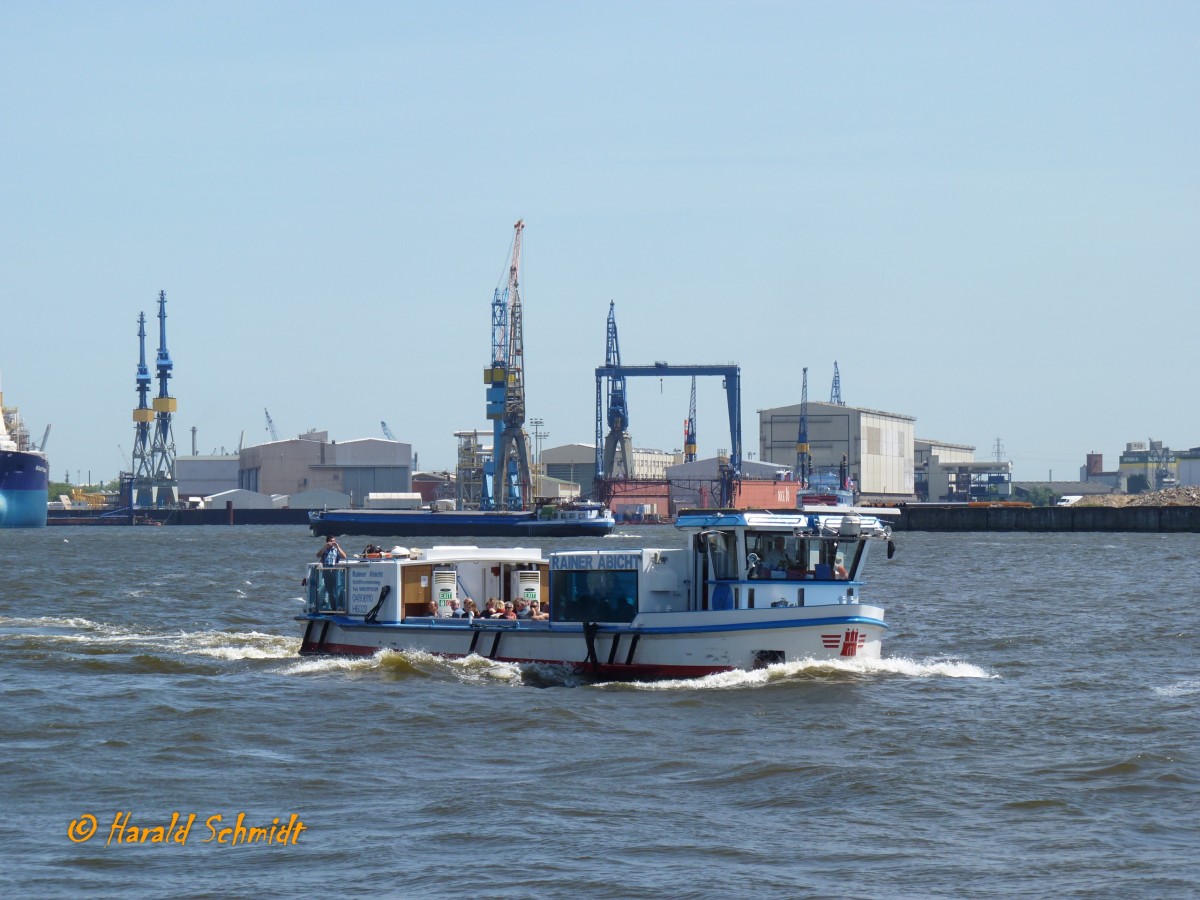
(1031, 731)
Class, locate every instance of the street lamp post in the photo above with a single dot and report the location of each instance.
(538, 434)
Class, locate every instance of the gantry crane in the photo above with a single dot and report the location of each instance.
(803, 462)
(731, 377)
(689, 428)
(506, 478)
(618, 445)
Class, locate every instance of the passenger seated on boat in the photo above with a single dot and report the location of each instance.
(456, 611)
(489, 608)
(508, 612)
(470, 610)
(536, 613)
(432, 610)
(522, 609)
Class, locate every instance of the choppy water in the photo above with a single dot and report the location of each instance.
(1031, 731)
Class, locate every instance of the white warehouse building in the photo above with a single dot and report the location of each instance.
(876, 446)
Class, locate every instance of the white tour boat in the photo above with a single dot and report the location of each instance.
(747, 590)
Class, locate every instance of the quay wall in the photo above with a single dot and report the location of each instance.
(1049, 518)
(180, 517)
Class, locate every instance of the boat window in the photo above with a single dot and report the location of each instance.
(589, 596)
(722, 554)
(775, 550)
(838, 559)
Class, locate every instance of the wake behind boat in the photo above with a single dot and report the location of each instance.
(749, 589)
(584, 519)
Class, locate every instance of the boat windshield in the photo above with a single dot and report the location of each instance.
(776, 550)
(590, 596)
(326, 589)
(788, 555)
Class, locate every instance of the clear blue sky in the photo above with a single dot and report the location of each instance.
(986, 213)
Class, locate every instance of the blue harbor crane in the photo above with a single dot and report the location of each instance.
(154, 474)
(835, 392)
(387, 432)
(270, 425)
(506, 477)
(618, 445)
(803, 460)
(143, 416)
(689, 428)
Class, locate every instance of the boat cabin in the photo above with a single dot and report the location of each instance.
(400, 584)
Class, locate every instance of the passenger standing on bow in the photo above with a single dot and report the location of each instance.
(330, 555)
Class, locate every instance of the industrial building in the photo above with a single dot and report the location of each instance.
(877, 448)
(696, 485)
(203, 476)
(1187, 466)
(1093, 472)
(577, 463)
(969, 481)
(1147, 466)
(949, 473)
(312, 462)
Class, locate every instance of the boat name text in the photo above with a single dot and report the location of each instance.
(576, 561)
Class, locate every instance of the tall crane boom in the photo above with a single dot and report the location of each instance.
(514, 410)
(271, 425)
(802, 455)
(835, 392)
(618, 445)
(507, 476)
(387, 432)
(689, 428)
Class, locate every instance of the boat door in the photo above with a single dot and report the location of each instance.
(416, 589)
(720, 567)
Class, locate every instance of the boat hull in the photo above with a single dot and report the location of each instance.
(421, 523)
(24, 478)
(677, 645)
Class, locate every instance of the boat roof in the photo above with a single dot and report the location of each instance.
(457, 553)
(778, 518)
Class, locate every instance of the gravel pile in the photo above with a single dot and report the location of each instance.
(1176, 496)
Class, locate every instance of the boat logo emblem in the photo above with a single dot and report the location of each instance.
(850, 642)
